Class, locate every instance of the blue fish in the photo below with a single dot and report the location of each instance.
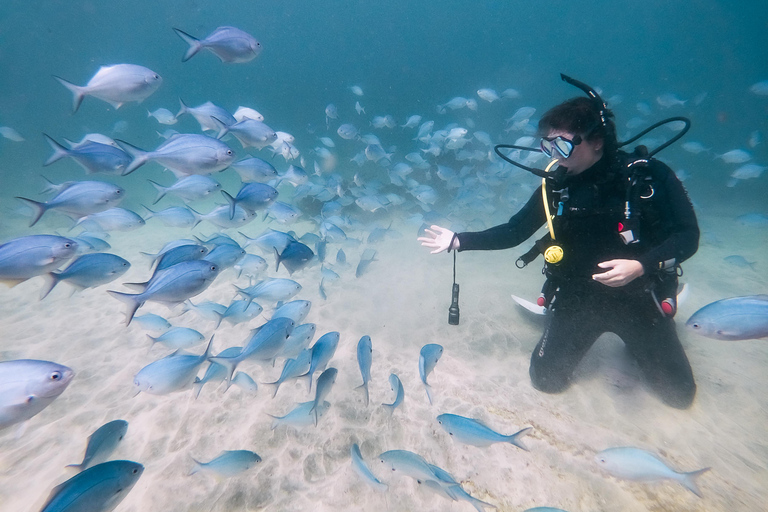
(228, 463)
(283, 213)
(294, 257)
(175, 372)
(94, 243)
(265, 344)
(293, 369)
(114, 219)
(79, 199)
(152, 322)
(240, 311)
(215, 372)
(175, 217)
(99, 488)
(252, 197)
(324, 384)
(428, 357)
(178, 337)
(296, 310)
(473, 432)
(92, 156)
(271, 289)
(250, 265)
(189, 188)
(187, 252)
(362, 469)
(225, 256)
(245, 382)
(229, 44)
(299, 339)
(300, 416)
(364, 359)
(87, 271)
(642, 466)
(736, 318)
(341, 257)
(270, 239)
(322, 352)
(397, 387)
(174, 285)
(29, 256)
(368, 256)
(102, 443)
(254, 170)
(446, 484)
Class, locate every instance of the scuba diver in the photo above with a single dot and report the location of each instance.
(619, 225)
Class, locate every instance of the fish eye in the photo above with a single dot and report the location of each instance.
(229, 151)
(56, 376)
(157, 77)
(67, 245)
(135, 471)
(602, 459)
(213, 267)
(30, 398)
(695, 326)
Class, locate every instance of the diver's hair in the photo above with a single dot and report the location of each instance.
(580, 116)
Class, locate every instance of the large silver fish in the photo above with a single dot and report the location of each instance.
(229, 44)
(29, 256)
(116, 85)
(79, 198)
(97, 489)
(28, 386)
(737, 318)
(183, 154)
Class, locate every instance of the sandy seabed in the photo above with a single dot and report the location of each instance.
(401, 302)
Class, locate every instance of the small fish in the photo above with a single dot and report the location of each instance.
(322, 352)
(208, 114)
(642, 466)
(669, 100)
(116, 85)
(229, 44)
(739, 261)
(428, 357)
(189, 188)
(296, 310)
(100, 488)
(178, 337)
(102, 443)
(283, 213)
(271, 289)
(300, 416)
(114, 219)
(759, 88)
(88, 271)
(397, 387)
(93, 156)
(359, 108)
(347, 131)
(11, 134)
(409, 464)
(488, 95)
(293, 369)
(748, 171)
(736, 318)
(254, 170)
(368, 256)
(324, 384)
(247, 113)
(183, 154)
(240, 311)
(28, 386)
(299, 339)
(510, 94)
(473, 432)
(356, 90)
(695, 147)
(364, 359)
(735, 156)
(412, 121)
(163, 116)
(294, 257)
(175, 217)
(228, 463)
(249, 132)
(245, 382)
(225, 255)
(152, 322)
(80, 198)
(175, 372)
(215, 372)
(362, 469)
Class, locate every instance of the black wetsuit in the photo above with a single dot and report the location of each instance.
(586, 226)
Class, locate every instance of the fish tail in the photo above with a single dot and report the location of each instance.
(151, 213)
(229, 364)
(40, 209)
(59, 151)
(222, 126)
(194, 44)
(232, 203)
(197, 467)
(364, 387)
(275, 422)
(139, 156)
(50, 187)
(515, 438)
(51, 280)
(198, 216)
(183, 109)
(219, 318)
(689, 480)
(77, 92)
(161, 191)
(133, 301)
(429, 392)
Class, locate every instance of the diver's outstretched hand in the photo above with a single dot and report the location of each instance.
(438, 239)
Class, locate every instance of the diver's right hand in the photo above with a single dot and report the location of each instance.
(438, 239)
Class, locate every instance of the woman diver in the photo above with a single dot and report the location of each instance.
(619, 226)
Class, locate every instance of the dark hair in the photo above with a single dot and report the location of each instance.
(580, 116)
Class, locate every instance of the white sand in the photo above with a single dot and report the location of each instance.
(402, 304)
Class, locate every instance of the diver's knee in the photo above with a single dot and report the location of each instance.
(680, 397)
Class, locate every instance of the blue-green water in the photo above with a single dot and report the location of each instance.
(408, 58)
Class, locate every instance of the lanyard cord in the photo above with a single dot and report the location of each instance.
(450, 245)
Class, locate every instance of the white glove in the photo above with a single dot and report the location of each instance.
(438, 239)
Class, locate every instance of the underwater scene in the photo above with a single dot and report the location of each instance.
(218, 291)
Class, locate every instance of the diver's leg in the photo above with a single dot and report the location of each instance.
(652, 340)
(570, 332)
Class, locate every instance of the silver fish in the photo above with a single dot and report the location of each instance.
(28, 386)
(102, 443)
(80, 198)
(29, 256)
(229, 44)
(116, 85)
(175, 372)
(183, 154)
(228, 463)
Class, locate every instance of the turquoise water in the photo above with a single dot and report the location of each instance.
(408, 59)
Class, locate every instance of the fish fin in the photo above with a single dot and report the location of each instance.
(364, 387)
(79, 467)
(689, 480)
(183, 109)
(51, 280)
(161, 191)
(77, 92)
(229, 364)
(59, 151)
(151, 212)
(194, 44)
(515, 438)
(39, 208)
(133, 303)
(232, 203)
(221, 126)
(139, 156)
(219, 318)
(196, 468)
(277, 257)
(428, 388)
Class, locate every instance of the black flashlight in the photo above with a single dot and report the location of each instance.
(453, 310)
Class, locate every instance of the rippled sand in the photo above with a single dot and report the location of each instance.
(402, 304)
